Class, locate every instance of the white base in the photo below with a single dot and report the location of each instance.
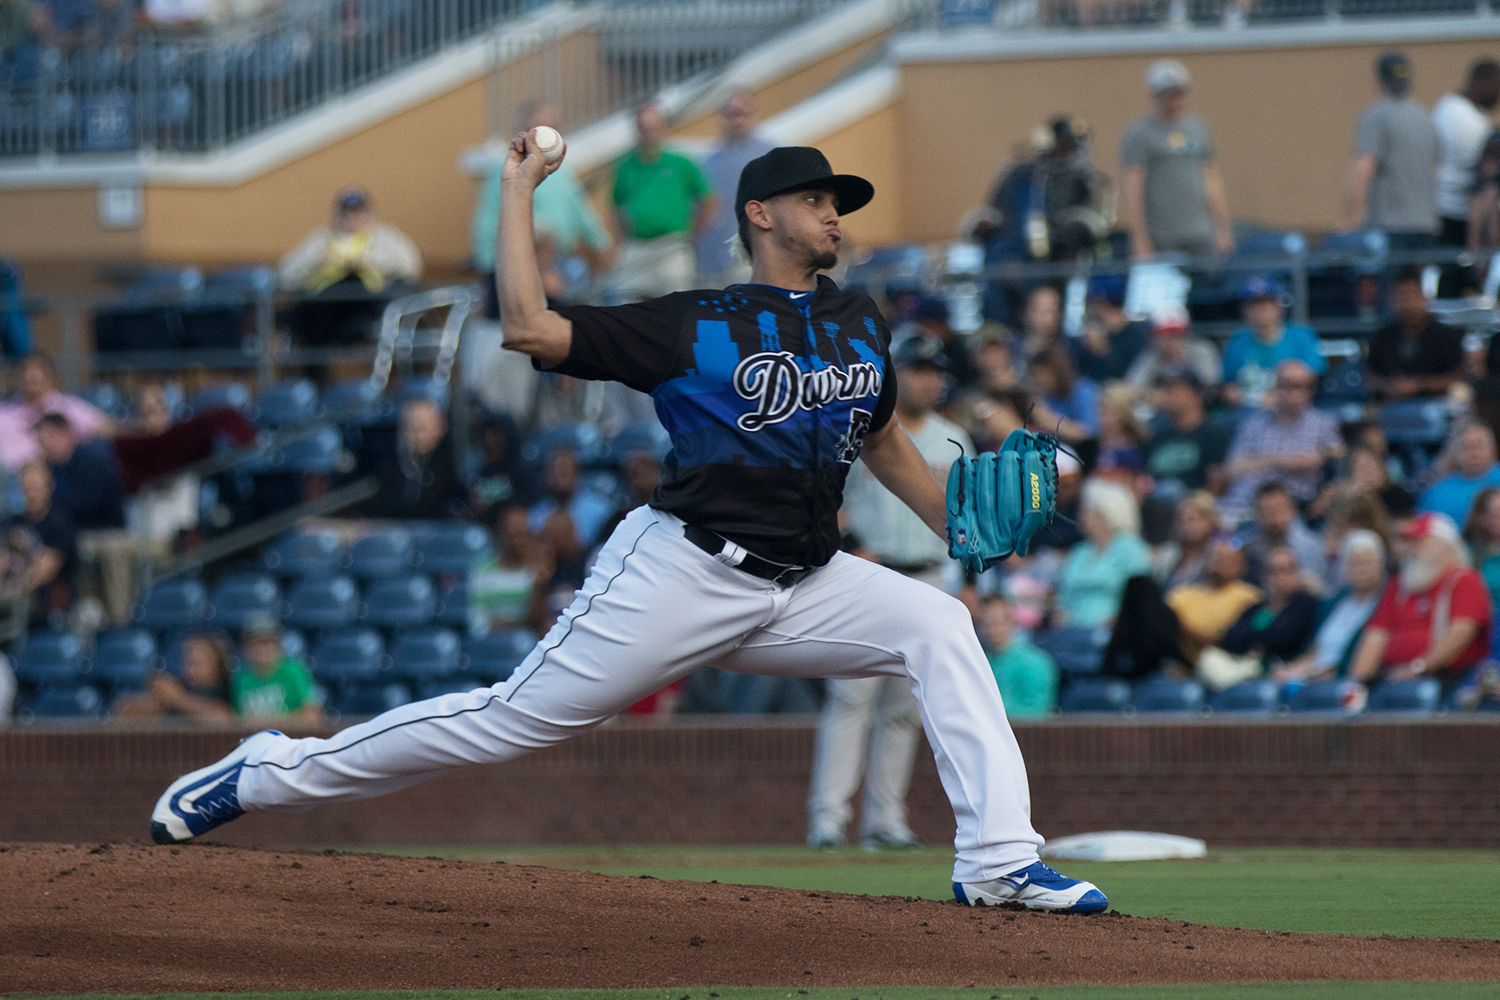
(1123, 845)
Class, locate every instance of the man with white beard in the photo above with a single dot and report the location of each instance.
(1434, 619)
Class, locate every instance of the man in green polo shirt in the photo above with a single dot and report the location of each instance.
(662, 202)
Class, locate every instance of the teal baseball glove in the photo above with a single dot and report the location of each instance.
(999, 501)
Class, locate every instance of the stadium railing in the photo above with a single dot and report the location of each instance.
(200, 93)
(1084, 15)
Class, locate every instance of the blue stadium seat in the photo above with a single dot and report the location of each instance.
(371, 699)
(350, 654)
(305, 554)
(107, 398)
(495, 657)
(1258, 697)
(123, 659)
(321, 452)
(425, 654)
(1163, 695)
(287, 403)
(422, 387)
(450, 548)
(387, 552)
(1416, 697)
(1327, 696)
(651, 439)
(242, 596)
(1095, 694)
(453, 605)
(173, 604)
(1074, 650)
(233, 395)
(400, 602)
(451, 685)
(50, 658)
(583, 439)
(80, 700)
(322, 603)
(294, 643)
(357, 402)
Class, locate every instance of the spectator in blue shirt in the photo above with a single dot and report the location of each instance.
(1475, 468)
(1094, 575)
(572, 517)
(1266, 340)
(1066, 405)
(89, 485)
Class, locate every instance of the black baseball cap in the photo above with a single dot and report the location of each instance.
(352, 199)
(920, 350)
(1394, 70)
(799, 168)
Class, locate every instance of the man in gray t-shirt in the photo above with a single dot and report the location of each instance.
(1393, 182)
(1173, 191)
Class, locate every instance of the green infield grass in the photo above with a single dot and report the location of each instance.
(1316, 890)
(1332, 990)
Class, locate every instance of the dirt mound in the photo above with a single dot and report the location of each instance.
(139, 918)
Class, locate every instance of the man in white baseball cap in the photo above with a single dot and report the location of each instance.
(1173, 192)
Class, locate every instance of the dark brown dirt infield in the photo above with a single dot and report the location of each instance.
(141, 918)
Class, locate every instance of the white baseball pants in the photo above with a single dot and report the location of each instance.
(654, 609)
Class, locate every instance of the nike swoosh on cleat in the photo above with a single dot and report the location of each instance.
(1016, 882)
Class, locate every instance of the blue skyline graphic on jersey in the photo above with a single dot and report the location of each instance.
(702, 411)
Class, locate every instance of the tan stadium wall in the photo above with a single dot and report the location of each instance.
(408, 163)
(1281, 119)
(868, 148)
(60, 224)
(794, 88)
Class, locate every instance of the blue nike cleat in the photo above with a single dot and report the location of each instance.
(1035, 887)
(203, 799)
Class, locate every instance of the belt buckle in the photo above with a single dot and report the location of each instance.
(790, 576)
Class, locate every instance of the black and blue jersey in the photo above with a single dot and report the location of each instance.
(767, 394)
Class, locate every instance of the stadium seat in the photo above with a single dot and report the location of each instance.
(173, 604)
(107, 398)
(80, 700)
(350, 654)
(422, 387)
(451, 685)
(233, 395)
(425, 654)
(1164, 695)
(321, 452)
(371, 699)
(50, 658)
(294, 643)
(453, 605)
(357, 402)
(124, 659)
(241, 596)
(322, 603)
(1342, 697)
(495, 657)
(1417, 697)
(400, 602)
(582, 439)
(450, 548)
(649, 438)
(1095, 694)
(387, 552)
(287, 403)
(305, 554)
(1258, 697)
(1074, 650)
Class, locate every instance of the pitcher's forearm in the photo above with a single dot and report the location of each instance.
(521, 295)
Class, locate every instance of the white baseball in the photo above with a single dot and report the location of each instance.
(548, 142)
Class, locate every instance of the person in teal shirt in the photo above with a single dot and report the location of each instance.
(566, 223)
(1094, 575)
(1254, 350)
(1027, 676)
(1474, 469)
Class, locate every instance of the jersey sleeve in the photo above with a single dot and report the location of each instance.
(636, 344)
(885, 403)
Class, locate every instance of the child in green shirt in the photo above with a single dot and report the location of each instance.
(1026, 675)
(271, 684)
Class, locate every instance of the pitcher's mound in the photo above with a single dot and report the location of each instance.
(138, 918)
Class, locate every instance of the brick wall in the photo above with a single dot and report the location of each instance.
(1427, 784)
